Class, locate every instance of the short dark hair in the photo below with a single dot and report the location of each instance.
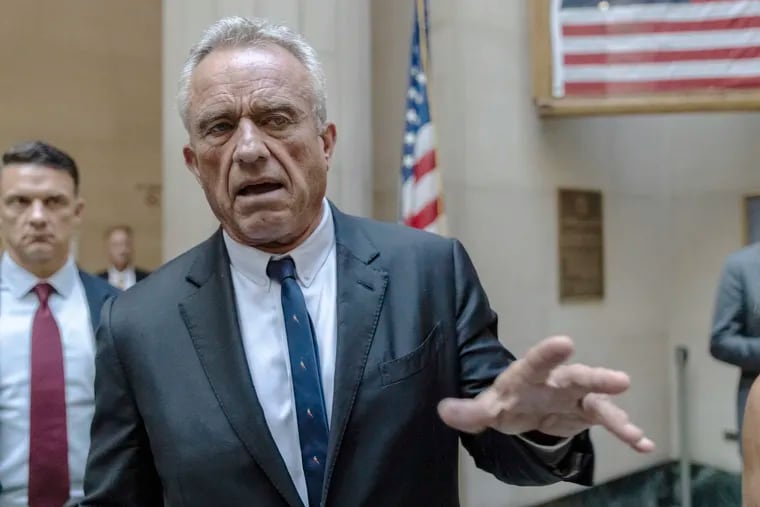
(43, 154)
(120, 227)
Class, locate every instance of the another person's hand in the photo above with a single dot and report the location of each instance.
(540, 392)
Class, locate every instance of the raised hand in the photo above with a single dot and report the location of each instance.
(540, 392)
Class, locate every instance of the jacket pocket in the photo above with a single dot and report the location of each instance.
(405, 366)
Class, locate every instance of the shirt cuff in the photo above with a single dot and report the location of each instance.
(552, 454)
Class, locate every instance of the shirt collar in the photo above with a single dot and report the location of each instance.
(112, 271)
(309, 256)
(20, 282)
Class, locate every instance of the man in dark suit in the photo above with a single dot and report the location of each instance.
(47, 306)
(302, 356)
(736, 321)
(120, 247)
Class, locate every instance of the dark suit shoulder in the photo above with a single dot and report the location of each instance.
(390, 236)
(748, 255)
(97, 284)
(102, 274)
(165, 286)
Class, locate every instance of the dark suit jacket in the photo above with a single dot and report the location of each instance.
(97, 293)
(177, 421)
(736, 322)
(140, 274)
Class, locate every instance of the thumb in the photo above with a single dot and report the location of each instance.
(463, 414)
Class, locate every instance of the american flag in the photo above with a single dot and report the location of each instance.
(620, 47)
(421, 195)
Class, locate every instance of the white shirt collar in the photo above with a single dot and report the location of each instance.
(112, 271)
(20, 282)
(309, 256)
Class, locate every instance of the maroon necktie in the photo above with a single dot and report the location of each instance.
(48, 446)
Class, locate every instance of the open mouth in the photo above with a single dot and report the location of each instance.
(259, 188)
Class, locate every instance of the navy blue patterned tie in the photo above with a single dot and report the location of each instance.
(304, 368)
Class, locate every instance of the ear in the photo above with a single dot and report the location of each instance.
(329, 137)
(191, 161)
(78, 211)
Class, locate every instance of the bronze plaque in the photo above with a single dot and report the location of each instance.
(581, 245)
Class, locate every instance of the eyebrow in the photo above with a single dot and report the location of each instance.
(53, 195)
(208, 118)
(263, 107)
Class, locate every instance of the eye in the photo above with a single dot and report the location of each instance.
(55, 201)
(276, 121)
(18, 201)
(219, 128)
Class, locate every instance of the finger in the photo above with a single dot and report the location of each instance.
(462, 414)
(603, 411)
(538, 363)
(590, 380)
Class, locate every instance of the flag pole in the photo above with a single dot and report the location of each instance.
(422, 27)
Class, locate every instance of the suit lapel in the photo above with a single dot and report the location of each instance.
(211, 318)
(360, 293)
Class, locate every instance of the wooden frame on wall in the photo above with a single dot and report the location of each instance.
(548, 105)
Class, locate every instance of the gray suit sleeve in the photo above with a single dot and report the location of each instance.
(728, 342)
(482, 357)
(120, 470)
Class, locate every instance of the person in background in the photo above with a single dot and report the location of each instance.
(121, 272)
(49, 310)
(735, 335)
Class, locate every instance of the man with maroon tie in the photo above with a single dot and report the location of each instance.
(48, 312)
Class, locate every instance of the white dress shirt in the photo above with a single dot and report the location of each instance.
(122, 279)
(18, 305)
(263, 331)
(265, 341)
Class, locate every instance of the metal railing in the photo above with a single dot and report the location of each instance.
(682, 358)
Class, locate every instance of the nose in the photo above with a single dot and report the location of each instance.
(37, 217)
(251, 147)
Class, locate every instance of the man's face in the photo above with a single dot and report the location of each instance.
(254, 145)
(120, 248)
(39, 212)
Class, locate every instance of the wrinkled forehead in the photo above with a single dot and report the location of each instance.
(256, 71)
(32, 180)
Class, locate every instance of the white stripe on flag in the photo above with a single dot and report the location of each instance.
(418, 195)
(425, 141)
(712, 39)
(660, 12)
(663, 71)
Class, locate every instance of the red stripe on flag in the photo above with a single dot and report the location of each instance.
(425, 217)
(424, 165)
(641, 27)
(631, 87)
(662, 56)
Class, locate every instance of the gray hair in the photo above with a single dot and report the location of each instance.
(237, 31)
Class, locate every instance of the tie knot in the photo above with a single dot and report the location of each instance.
(281, 269)
(43, 291)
